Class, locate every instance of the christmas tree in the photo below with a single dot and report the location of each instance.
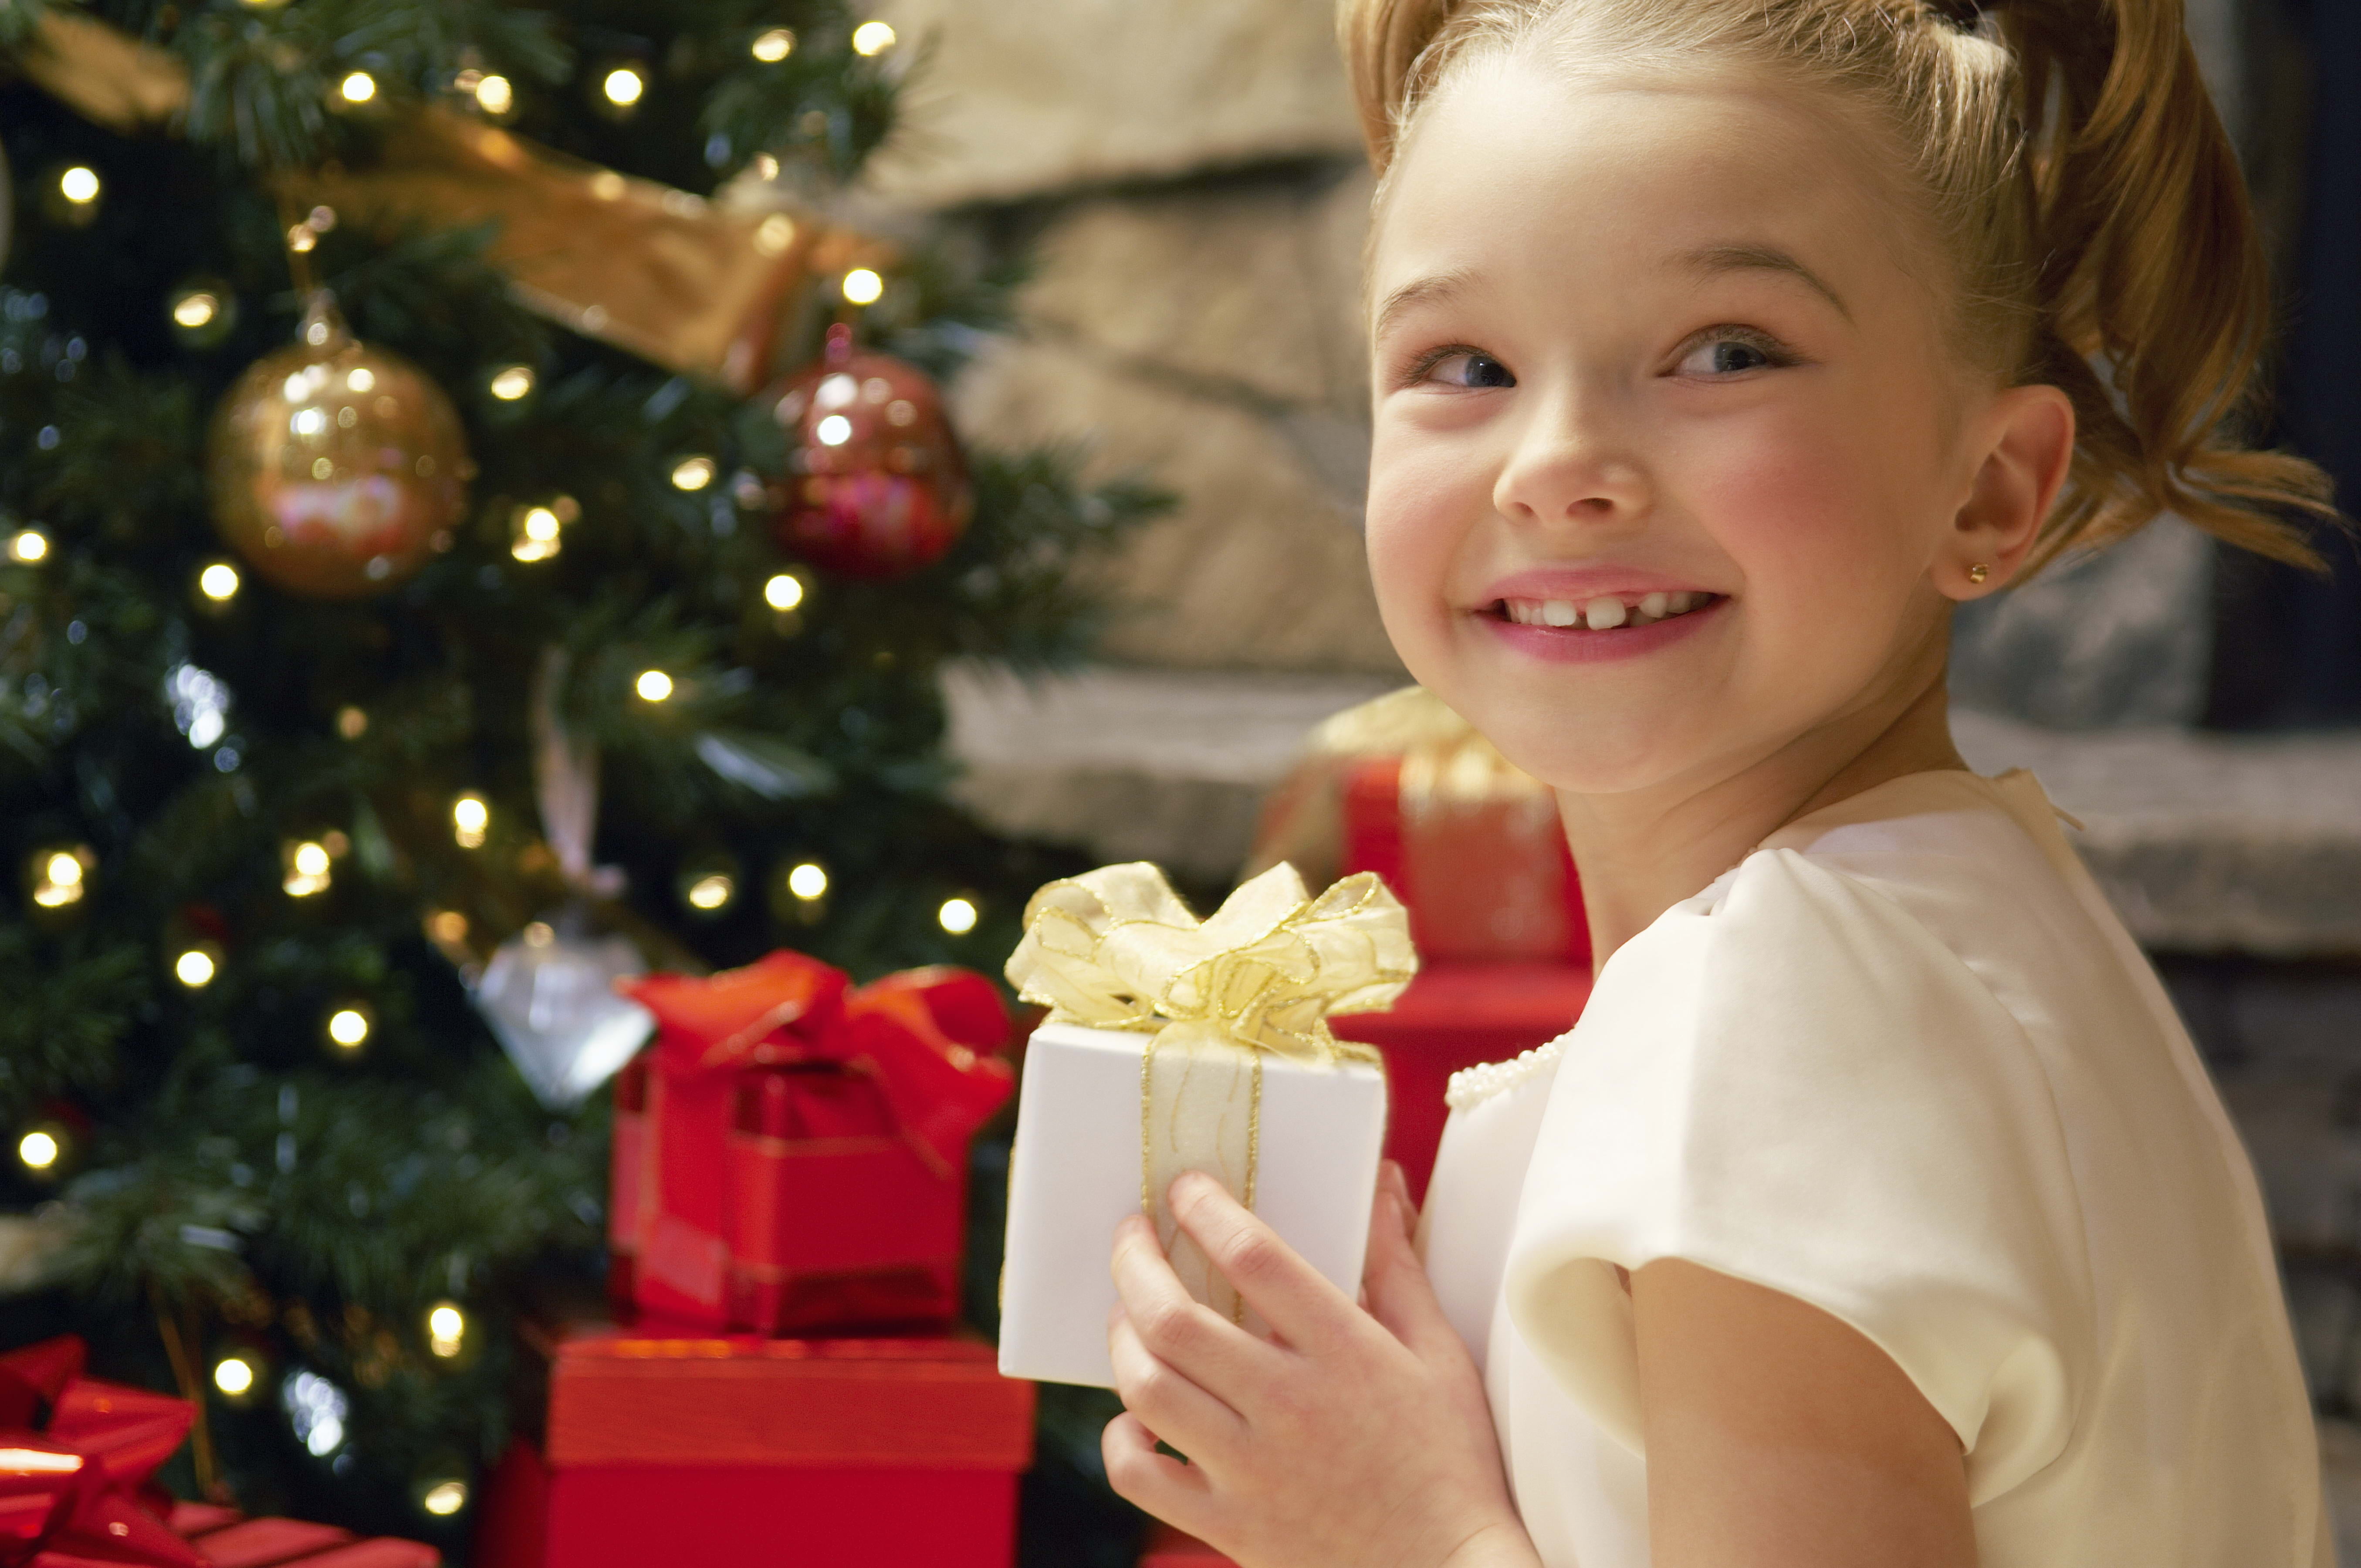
(573, 625)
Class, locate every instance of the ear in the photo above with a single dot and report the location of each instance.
(2027, 436)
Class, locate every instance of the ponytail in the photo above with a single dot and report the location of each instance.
(2149, 265)
(2075, 170)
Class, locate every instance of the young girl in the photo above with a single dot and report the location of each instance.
(1878, 1210)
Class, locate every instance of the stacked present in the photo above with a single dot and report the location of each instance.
(77, 1455)
(790, 1158)
(1405, 787)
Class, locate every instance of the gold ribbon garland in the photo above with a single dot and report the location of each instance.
(1116, 949)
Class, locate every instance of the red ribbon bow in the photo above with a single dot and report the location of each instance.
(927, 1035)
(73, 1453)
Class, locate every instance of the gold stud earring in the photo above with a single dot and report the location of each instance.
(1978, 572)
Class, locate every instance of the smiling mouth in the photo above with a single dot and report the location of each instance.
(1608, 612)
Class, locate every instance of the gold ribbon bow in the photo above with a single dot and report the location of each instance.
(1117, 950)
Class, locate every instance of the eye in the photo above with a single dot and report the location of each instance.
(1468, 368)
(1727, 351)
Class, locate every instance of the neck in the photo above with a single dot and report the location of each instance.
(1641, 852)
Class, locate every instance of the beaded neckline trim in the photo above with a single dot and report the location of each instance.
(1471, 1086)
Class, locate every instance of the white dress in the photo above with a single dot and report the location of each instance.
(1903, 1063)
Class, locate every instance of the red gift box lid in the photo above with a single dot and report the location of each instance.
(643, 1397)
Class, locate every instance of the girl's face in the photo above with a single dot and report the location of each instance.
(1666, 439)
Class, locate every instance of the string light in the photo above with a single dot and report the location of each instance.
(352, 723)
(444, 1498)
(537, 534)
(447, 926)
(692, 474)
(711, 892)
(348, 1029)
(307, 869)
(61, 877)
(495, 95)
(511, 382)
(623, 86)
(195, 968)
(446, 1329)
(957, 915)
(808, 882)
(653, 685)
(79, 184)
(233, 1376)
(872, 38)
(218, 581)
(470, 818)
(194, 309)
(358, 88)
(784, 592)
(30, 546)
(862, 286)
(773, 46)
(39, 1149)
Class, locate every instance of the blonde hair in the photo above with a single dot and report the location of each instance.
(2070, 167)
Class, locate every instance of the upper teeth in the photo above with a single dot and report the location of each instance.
(1604, 613)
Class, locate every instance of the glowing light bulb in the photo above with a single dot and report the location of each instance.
(358, 88)
(39, 1150)
(653, 685)
(218, 581)
(446, 1329)
(495, 95)
(862, 286)
(784, 592)
(29, 546)
(469, 819)
(692, 474)
(808, 882)
(194, 969)
(773, 46)
(957, 915)
(349, 1026)
(307, 869)
(352, 723)
(233, 1376)
(833, 430)
(79, 185)
(444, 1498)
(711, 892)
(623, 86)
(872, 38)
(511, 382)
(195, 310)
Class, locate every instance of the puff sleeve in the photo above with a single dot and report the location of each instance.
(1801, 1087)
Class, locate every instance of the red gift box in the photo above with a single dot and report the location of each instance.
(74, 1491)
(888, 1452)
(1169, 1548)
(791, 1155)
(1474, 848)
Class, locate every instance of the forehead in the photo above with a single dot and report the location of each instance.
(1518, 172)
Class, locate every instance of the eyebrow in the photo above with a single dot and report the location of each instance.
(1718, 258)
(1430, 290)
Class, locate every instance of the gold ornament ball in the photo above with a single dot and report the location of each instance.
(337, 469)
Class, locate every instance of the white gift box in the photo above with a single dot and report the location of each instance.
(1075, 1173)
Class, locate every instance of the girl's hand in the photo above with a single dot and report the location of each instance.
(1359, 1439)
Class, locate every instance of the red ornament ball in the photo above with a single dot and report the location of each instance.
(875, 486)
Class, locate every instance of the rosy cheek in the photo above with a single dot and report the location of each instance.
(1798, 515)
(1417, 510)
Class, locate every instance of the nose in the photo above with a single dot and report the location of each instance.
(1570, 465)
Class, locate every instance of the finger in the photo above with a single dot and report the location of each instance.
(1295, 1298)
(1179, 1329)
(1395, 1286)
(1175, 1492)
(1193, 1421)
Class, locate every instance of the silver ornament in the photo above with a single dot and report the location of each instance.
(549, 995)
